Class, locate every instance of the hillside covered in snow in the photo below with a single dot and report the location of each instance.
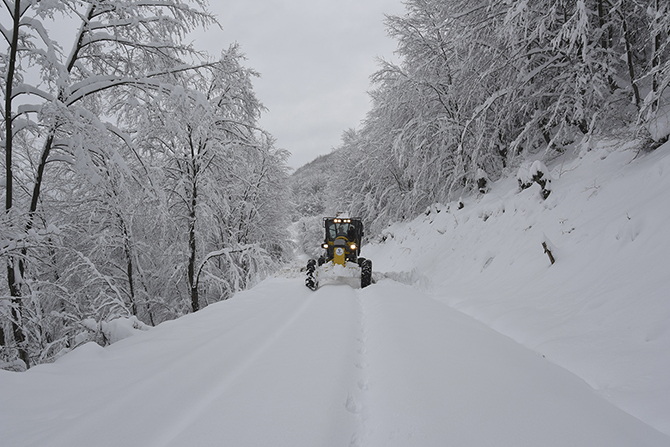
(602, 310)
(470, 336)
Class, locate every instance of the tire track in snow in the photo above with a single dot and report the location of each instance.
(306, 379)
(357, 400)
(135, 388)
(192, 413)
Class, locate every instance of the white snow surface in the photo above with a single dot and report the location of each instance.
(470, 337)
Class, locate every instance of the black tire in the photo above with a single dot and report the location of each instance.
(322, 260)
(310, 281)
(366, 273)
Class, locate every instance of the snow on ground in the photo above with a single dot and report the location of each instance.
(602, 311)
(407, 364)
(282, 366)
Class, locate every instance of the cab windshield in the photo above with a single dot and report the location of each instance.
(347, 230)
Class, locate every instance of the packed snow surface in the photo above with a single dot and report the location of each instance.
(470, 337)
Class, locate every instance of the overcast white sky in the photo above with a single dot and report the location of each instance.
(315, 58)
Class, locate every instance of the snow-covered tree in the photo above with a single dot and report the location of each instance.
(221, 178)
(481, 85)
(55, 106)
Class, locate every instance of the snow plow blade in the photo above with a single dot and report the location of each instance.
(356, 275)
(331, 273)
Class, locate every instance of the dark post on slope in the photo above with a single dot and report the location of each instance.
(548, 252)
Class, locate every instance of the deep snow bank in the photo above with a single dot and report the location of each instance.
(602, 310)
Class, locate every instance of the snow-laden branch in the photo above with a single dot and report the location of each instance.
(106, 37)
(26, 89)
(101, 83)
(25, 5)
(215, 254)
(105, 279)
(39, 28)
(28, 108)
(133, 21)
(98, 84)
(478, 111)
(20, 124)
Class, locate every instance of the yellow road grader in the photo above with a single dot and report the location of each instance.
(340, 262)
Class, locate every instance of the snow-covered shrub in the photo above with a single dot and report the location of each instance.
(659, 125)
(536, 172)
(482, 181)
(106, 333)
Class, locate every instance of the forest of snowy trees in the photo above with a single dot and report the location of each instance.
(137, 181)
(483, 85)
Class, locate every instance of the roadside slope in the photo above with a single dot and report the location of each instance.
(602, 310)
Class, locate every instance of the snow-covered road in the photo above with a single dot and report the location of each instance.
(280, 365)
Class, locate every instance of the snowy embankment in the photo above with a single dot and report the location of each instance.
(403, 365)
(602, 311)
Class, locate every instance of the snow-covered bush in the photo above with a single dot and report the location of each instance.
(535, 172)
(482, 181)
(108, 332)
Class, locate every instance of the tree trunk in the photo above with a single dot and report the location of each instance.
(131, 287)
(193, 284)
(655, 56)
(128, 252)
(15, 291)
(195, 304)
(605, 39)
(629, 61)
(195, 170)
(14, 265)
